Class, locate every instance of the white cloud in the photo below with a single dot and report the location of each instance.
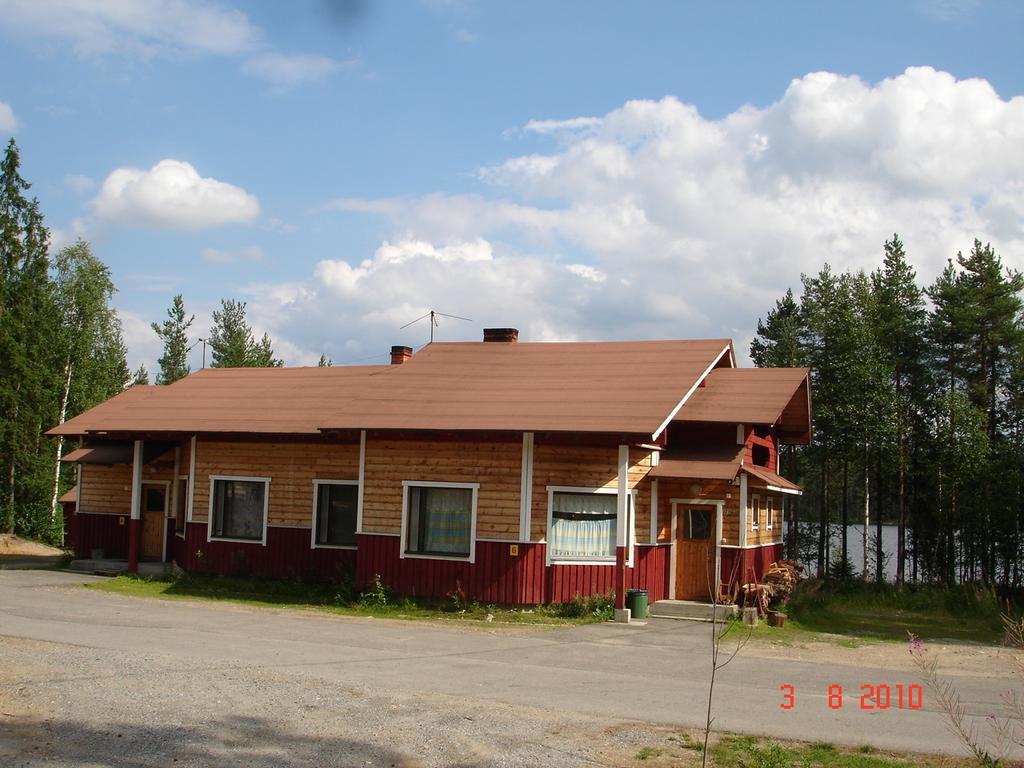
(248, 253)
(652, 221)
(79, 184)
(8, 122)
(285, 70)
(147, 29)
(162, 28)
(172, 195)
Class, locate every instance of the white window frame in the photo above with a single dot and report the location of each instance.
(185, 501)
(630, 525)
(266, 508)
(402, 549)
(316, 498)
(769, 504)
(755, 508)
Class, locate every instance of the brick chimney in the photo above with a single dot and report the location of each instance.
(400, 354)
(501, 334)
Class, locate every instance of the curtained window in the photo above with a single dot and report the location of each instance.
(440, 521)
(583, 526)
(336, 514)
(239, 507)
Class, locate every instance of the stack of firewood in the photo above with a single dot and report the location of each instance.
(782, 577)
(778, 583)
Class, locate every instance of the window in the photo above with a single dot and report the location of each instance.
(755, 513)
(439, 519)
(182, 505)
(761, 455)
(238, 508)
(698, 524)
(583, 526)
(770, 513)
(334, 519)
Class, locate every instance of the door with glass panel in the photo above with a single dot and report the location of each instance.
(695, 553)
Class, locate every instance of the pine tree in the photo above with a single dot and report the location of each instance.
(777, 343)
(173, 332)
(232, 343)
(325, 361)
(141, 375)
(899, 330)
(27, 361)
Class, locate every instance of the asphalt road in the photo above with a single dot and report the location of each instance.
(656, 673)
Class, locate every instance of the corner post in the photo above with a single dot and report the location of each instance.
(621, 534)
(134, 523)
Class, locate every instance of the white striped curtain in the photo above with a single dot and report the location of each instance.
(583, 525)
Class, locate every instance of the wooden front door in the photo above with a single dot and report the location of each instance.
(154, 525)
(695, 553)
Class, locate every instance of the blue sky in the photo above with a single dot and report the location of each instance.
(577, 169)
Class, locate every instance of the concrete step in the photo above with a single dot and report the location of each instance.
(691, 610)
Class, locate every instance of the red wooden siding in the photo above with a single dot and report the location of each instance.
(106, 532)
(754, 561)
(495, 577)
(287, 555)
(769, 442)
(499, 577)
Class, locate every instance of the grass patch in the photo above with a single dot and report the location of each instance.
(736, 751)
(881, 612)
(341, 599)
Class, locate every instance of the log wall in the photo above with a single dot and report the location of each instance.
(496, 467)
(291, 467)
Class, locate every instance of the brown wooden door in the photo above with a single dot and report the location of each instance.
(154, 511)
(695, 553)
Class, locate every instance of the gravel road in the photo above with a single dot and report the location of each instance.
(91, 678)
(66, 705)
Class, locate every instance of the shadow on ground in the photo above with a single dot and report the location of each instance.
(229, 741)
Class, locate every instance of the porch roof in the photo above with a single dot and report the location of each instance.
(772, 481)
(713, 463)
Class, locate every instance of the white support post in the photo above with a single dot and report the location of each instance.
(362, 481)
(137, 481)
(654, 512)
(743, 509)
(621, 527)
(173, 511)
(526, 488)
(191, 480)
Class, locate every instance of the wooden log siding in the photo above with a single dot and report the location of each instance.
(763, 535)
(712, 490)
(291, 467)
(495, 466)
(587, 466)
(108, 488)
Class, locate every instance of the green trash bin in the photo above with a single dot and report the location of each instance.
(636, 601)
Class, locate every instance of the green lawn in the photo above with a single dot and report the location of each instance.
(869, 613)
(340, 600)
(734, 751)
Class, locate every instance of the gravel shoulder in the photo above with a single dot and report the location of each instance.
(65, 705)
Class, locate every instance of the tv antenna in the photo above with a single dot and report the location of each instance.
(434, 322)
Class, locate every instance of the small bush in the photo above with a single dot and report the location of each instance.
(598, 606)
(377, 596)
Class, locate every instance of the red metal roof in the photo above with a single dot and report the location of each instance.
(71, 495)
(230, 400)
(779, 396)
(625, 387)
(629, 387)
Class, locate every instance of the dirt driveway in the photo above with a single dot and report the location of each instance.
(96, 679)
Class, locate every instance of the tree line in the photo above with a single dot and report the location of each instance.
(918, 416)
(62, 352)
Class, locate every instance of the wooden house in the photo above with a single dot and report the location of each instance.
(519, 473)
